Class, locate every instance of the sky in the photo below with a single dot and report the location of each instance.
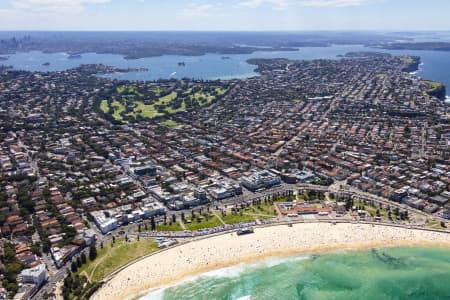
(225, 15)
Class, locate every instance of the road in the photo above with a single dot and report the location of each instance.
(247, 197)
(50, 285)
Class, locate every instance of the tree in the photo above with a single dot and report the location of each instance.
(83, 258)
(92, 252)
(36, 249)
(73, 267)
(152, 224)
(79, 263)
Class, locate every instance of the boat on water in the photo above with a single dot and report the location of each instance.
(181, 64)
(74, 56)
(226, 57)
(243, 231)
(46, 64)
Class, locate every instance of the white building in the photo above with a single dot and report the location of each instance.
(260, 179)
(104, 223)
(37, 275)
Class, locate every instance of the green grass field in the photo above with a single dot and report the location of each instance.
(119, 108)
(169, 227)
(263, 209)
(435, 224)
(407, 60)
(146, 111)
(213, 221)
(146, 106)
(232, 219)
(111, 258)
(167, 98)
(129, 90)
(157, 90)
(104, 106)
(372, 210)
(169, 123)
(433, 84)
(221, 91)
(172, 110)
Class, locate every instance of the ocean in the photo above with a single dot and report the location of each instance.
(409, 273)
(435, 64)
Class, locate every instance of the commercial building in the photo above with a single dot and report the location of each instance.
(37, 275)
(261, 179)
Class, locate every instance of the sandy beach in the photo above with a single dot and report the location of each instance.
(229, 249)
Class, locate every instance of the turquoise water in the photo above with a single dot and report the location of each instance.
(391, 273)
(436, 64)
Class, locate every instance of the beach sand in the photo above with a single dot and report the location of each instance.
(229, 249)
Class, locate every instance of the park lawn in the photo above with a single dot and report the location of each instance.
(104, 106)
(195, 225)
(171, 110)
(188, 91)
(157, 90)
(146, 111)
(433, 223)
(129, 89)
(119, 108)
(112, 258)
(433, 84)
(384, 213)
(169, 227)
(150, 111)
(167, 98)
(236, 218)
(263, 209)
(169, 123)
(204, 98)
(220, 91)
(284, 199)
(121, 89)
(407, 60)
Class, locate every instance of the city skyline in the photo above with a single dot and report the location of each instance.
(234, 15)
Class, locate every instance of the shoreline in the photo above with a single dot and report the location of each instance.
(285, 254)
(191, 259)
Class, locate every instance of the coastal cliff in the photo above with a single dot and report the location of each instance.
(436, 89)
(411, 64)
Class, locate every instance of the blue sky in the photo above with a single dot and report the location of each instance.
(224, 15)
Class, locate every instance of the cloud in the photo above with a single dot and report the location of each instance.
(199, 10)
(333, 3)
(275, 4)
(56, 6)
(283, 4)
